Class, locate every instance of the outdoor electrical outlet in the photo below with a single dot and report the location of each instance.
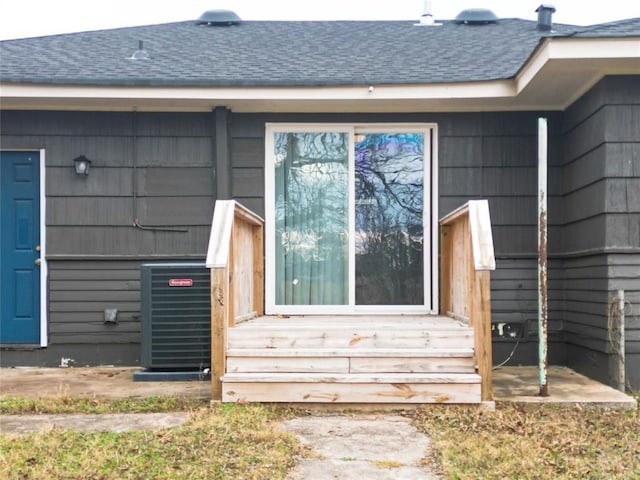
(507, 330)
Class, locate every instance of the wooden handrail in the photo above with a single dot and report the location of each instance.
(236, 259)
(466, 258)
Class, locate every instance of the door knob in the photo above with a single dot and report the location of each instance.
(38, 261)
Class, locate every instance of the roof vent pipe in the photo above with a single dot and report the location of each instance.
(427, 16)
(427, 20)
(544, 17)
(140, 53)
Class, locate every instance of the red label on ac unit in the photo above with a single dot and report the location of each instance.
(181, 282)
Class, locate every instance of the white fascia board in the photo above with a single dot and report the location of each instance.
(478, 96)
(596, 49)
(534, 65)
(492, 89)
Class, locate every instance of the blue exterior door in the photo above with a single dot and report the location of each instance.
(20, 247)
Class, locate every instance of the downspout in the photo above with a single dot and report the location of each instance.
(543, 361)
(134, 180)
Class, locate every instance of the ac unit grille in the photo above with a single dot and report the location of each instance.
(176, 316)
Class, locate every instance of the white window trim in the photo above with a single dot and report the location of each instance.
(431, 283)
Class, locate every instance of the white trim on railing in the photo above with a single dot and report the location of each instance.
(221, 227)
(481, 236)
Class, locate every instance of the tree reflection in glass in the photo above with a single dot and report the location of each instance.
(389, 191)
(311, 213)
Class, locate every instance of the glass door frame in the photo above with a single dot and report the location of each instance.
(430, 219)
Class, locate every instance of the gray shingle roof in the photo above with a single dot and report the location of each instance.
(302, 53)
(621, 28)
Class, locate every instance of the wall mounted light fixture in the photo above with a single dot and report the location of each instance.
(81, 165)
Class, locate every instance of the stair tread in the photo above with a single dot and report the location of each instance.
(351, 352)
(351, 326)
(351, 378)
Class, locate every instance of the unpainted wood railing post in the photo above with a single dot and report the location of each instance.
(258, 270)
(470, 272)
(481, 310)
(236, 237)
(465, 292)
(219, 321)
(231, 278)
(445, 269)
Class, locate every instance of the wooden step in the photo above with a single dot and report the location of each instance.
(344, 336)
(354, 378)
(432, 322)
(351, 360)
(361, 352)
(351, 388)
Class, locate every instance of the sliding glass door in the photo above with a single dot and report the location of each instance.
(311, 218)
(349, 218)
(389, 216)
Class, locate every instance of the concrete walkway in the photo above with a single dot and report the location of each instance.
(108, 422)
(359, 447)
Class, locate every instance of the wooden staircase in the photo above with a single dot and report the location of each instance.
(383, 359)
(351, 359)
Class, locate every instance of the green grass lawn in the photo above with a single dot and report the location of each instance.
(534, 442)
(243, 442)
(219, 442)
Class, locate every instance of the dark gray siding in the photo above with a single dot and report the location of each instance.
(153, 170)
(247, 160)
(624, 274)
(79, 293)
(601, 232)
(164, 160)
(514, 300)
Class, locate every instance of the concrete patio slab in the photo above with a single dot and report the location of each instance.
(520, 384)
(94, 382)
